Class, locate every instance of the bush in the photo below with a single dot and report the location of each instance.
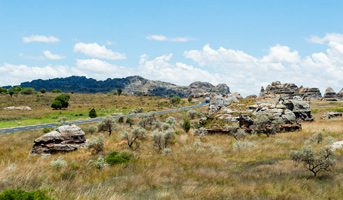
(316, 138)
(56, 91)
(9, 194)
(119, 91)
(315, 161)
(3, 90)
(200, 132)
(59, 163)
(175, 100)
(121, 120)
(107, 124)
(130, 121)
(92, 129)
(117, 158)
(190, 99)
(192, 114)
(136, 135)
(186, 125)
(162, 139)
(100, 163)
(43, 90)
(171, 121)
(46, 130)
(61, 101)
(147, 120)
(96, 144)
(27, 91)
(92, 113)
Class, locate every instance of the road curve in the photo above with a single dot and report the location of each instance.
(39, 126)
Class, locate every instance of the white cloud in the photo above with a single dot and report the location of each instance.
(279, 54)
(97, 51)
(110, 43)
(164, 38)
(51, 56)
(29, 57)
(329, 37)
(40, 38)
(160, 68)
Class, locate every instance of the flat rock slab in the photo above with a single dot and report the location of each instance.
(62, 139)
(332, 114)
(22, 108)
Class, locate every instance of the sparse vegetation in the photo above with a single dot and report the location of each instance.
(96, 144)
(107, 125)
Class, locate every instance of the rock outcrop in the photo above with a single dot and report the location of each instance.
(329, 95)
(339, 94)
(251, 96)
(21, 108)
(62, 139)
(310, 94)
(301, 109)
(218, 102)
(286, 90)
(289, 90)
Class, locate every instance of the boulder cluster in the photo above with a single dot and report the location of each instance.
(62, 139)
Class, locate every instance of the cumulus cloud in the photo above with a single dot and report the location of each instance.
(97, 51)
(164, 38)
(29, 57)
(40, 38)
(245, 73)
(51, 56)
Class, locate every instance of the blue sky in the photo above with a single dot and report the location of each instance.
(245, 44)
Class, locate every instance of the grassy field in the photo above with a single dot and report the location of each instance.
(80, 104)
(213, 168)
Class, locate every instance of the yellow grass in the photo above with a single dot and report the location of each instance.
(263, 171)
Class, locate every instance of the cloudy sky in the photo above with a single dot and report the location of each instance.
(245, 44)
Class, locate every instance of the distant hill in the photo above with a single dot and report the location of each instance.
(132, 85)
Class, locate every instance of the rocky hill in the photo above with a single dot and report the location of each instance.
(132, 85)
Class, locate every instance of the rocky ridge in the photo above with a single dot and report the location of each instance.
(132, 85)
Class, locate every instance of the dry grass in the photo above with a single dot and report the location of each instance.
(193, 171)
(79, 104)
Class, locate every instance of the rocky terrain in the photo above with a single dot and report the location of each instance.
(132, 85)
(289, 90)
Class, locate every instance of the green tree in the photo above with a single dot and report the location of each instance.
(43, 90)
(121, 119)
(27, 91)
(17, 89)
(3, 90)
(186, 125)
(107, 124)
(11, 91)
(61, 101)
(190, 99)
(72, 92)
(92, 113)
(119, 91)
(315, 161)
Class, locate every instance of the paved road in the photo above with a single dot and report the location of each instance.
(39, 126)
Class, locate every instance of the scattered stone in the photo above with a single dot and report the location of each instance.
(330, 115)
(62, 139)
(21, 108)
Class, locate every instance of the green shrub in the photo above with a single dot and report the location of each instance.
(61, 101)
(43, 90)
(190, 99)
(56, 104)
(117, 158)
(46, 130)
(27, 91)
(18, 194)
(121, 120)
(130, 121)
(92, 113)
(92, 129)
(56, 91)
(175, 100)
(186, 125)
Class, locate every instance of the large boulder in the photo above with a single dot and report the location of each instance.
(301, 109)
(62, 139)
(218, 102)
(329, 95)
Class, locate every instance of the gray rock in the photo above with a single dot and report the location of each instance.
(245, 121)
(339, 94)
(237, 95)
(329, 95)
(310, 94)
(337, 145)
(62, 139)
(218, 102)
(21, 108)
(301, 109)
(298, 98)
(330, 115)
